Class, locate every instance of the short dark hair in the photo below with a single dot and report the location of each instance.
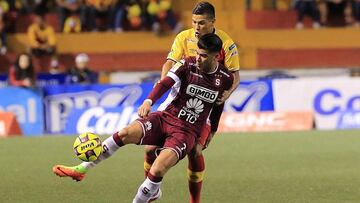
(204, 8)
(210, 42)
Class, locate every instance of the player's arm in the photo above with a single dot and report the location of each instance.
(214, 121)
(177, 71)
(176, 53)
(166, 67)
(236, 82)
(217, 111)
(155, 94)
(232, 63)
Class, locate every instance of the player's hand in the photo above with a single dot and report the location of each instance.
(224, 97)
(209, 139)
(144, 109)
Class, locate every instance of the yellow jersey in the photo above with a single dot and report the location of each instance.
(185, 45)
(38, 36)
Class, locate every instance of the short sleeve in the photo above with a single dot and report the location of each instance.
(178, 71)
(231, 55)
(177, 49)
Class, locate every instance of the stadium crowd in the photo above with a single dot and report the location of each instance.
(73, 16)
(323, 13)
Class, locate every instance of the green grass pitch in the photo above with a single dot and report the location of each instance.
(299, 167)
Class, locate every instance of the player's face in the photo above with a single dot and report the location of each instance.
(202, 25)
(205, 61)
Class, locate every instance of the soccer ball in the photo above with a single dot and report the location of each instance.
(87, 147)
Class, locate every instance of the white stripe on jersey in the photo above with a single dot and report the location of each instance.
(173, 92)
(171, 96)
(173, 76)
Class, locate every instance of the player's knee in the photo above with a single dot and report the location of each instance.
(158, 170)
(150, 150)
(196, 151)
(124, 135)
(166, 159)
(194, 176)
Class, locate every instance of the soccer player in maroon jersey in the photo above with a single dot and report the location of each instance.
(185, 45)
(175, 130)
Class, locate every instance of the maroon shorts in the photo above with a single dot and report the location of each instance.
(165, 131)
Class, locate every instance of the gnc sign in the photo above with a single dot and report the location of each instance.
(266, 121)
(9, 125)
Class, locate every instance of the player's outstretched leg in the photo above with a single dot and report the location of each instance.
(196, 168)
(130, 134)
(110, 146)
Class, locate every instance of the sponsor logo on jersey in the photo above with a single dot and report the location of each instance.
(191, 40)
(148, 125)
(195, 104)
(191, 112)
(232, 46)
(202, 93)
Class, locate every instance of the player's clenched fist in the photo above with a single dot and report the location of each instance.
(145, 108)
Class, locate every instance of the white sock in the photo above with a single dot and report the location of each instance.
(146, 190)
(109, 146)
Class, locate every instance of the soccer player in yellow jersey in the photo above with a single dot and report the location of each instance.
(185, 44)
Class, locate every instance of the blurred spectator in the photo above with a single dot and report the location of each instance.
(72, 24)
(356, 11)
(42, 41)
(4, 8)
(39, 7)
(100, 8)
(22, 74)
(15, 7)
(130, 11)
(69, 11)
(81, 73)
(355, 72)
(304, 7)
(160, 12)
(335, 12)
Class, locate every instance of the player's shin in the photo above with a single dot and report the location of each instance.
(110, 146)
(149, 159)
(196, 170)
(149, 189)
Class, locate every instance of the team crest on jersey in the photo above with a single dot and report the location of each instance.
(233, 53)
(202, 93)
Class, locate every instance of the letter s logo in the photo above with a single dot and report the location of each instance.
(217, 82)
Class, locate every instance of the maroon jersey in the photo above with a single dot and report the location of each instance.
(197, 94)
